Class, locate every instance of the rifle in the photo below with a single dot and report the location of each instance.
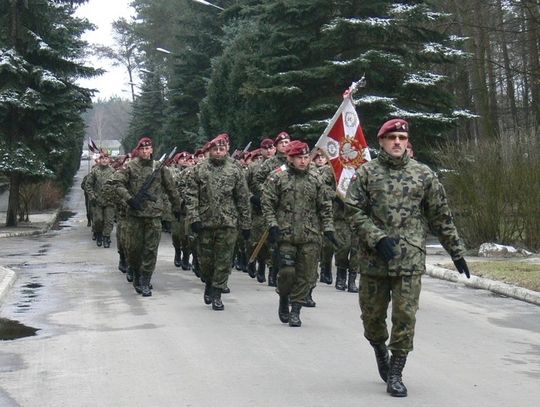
(142, 194)
(259, 246)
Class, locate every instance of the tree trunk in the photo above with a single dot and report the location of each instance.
(532, 15)
(13, 201)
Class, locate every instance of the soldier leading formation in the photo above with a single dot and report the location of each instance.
(276, 207)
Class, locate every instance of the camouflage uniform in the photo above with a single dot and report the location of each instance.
(102, 208)
(347, 252)
(87, 202)
(180, 227)
(217, 197)
(121, 215)
(143, 227)
(401, 199)
(327, 249)
(295, 202)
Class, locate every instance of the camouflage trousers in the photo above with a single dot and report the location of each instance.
(215, 250)
(143, 236)
(326, 255)
(298, 263)
(348, 247)
(180, 234)
(375, 294)
(258, 227)
(121, 236)
(103, 219)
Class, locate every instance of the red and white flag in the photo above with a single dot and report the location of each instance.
(343, 141)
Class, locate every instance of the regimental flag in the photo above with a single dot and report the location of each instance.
(344, 143)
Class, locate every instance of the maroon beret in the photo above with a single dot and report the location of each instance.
(393, 125)
(297, 147)
(144, 142)
(281, 136)
(267, 143)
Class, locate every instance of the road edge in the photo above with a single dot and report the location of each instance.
(7, 278)
(498, 287)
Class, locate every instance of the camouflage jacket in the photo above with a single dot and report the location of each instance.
(296, 202)
(129, 181)
(95, 182)
(264, 170)
(181, 177)
(401, 199)
(217, 195)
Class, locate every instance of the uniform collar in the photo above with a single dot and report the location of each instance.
(393, 162)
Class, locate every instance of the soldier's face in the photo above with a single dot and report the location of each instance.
(218, 151)
(104, 161)
(269, 152)
(145, 152)
(320, 160)
(395, 143)
(300, 162)
(282, 144)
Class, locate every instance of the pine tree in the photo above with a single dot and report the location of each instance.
(41, 128)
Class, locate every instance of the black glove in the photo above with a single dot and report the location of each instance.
(177, 215)
(461, 266)
(246, 233)
(330, 236)
(255, 201)
(385, 247)
(339, 202)
(273, 234)
(196, 227)
(135, 204)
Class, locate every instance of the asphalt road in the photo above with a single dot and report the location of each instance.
(100, 344)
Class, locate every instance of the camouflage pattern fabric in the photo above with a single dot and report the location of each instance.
(180, 227)
(143, 236)
(103, 218)
(346, 252)
(296, 269)
(401, 199)
(215, 248)
(375, 294)
(265, 169)
(102, 206)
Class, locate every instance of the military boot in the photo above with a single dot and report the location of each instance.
(294, 315)
(129, 274)
(196, 266)
(177, 257)
(283, 310)
(252, 269)
(261, 268)
(381, 355)
(137, 285)
(309, 300)
(272, 277)
(106, 242)
(94, 235)
(351, 286)
(185, 261)
(326, 274)
(217, 305)
(241, 261)
(122, 264)
(341, 279)
(395, 385)
(99, 239)
(207, 294)
(145, 285)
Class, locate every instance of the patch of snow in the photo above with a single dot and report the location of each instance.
(425, 79)
(437, 48)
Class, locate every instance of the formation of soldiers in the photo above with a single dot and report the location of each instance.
(276, 208)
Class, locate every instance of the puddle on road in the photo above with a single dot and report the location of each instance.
(62, 217)
(10, 330)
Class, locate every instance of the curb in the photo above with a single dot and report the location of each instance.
(41, 231)
(512, 291)
(7, 278)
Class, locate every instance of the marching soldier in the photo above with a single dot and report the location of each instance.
(144, 215)
(217, 204)
(392, 201)
(102, 209)
(295, 207)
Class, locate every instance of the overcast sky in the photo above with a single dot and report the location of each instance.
(102, 13)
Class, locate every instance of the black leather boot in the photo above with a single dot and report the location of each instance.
(145, 285)
(177, 257)
(326, 274)
(122, 264)
(196, 267)
(294, 315)
(106, 242)
(217, 305)
(309, 300)
(351, 286)
(283, 310)
(261, 269)
(395, 385)
(252, 269)
(129, 274)
(272, 277)
(99, 239)
(137, 284)
(185, 261)
(381, 355)
(207, 293)
(341, 279)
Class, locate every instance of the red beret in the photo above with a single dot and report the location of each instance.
(281, 136)
(297, 147)
(144, 142)
(220, 140)
(134, 153)
(393, 125)
(267, 143)
(256, 153)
